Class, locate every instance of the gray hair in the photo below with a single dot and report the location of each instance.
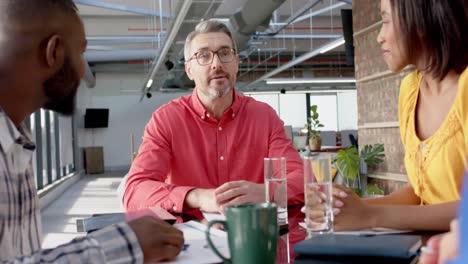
(207, 26)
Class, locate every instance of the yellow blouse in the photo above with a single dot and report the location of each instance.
(435, 166)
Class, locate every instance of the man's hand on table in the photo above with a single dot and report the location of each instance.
(239, 192)
(158, 240)
(203, 199)
(227, 195)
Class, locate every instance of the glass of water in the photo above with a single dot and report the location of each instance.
(318, 194)
(276, 186)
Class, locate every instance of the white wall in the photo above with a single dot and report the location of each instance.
(270, 99)
(327, 110)
(127, 115)
(347, 111)
(291, 108)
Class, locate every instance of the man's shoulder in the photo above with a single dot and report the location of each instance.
(258, 113)
(252, 104)
(175, 105)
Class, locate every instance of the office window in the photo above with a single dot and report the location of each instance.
(45, 140)
(293, 109)
(66, 144)
(53, 136)
(54, 152)
(327, 110)
(337, 111)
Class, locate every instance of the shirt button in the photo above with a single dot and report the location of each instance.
(174, 208)
(220, 128)
(233, 115)
(203, 117)
(208, 115)
(221, 158)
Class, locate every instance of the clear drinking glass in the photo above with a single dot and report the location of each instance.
(276, 186)
(318, 194)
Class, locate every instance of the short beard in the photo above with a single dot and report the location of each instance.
(60, 89)
(214, 93)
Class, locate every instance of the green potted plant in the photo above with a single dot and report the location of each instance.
(373, 191)
(313, 126)
(350, 163)
(347, 163)
(372, 155)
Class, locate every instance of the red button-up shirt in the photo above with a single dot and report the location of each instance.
(185, 148)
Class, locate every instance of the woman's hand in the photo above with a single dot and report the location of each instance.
(351, 213)
(442, 248)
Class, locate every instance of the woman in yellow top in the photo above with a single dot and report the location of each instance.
(433, 117)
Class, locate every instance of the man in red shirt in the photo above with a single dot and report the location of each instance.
(206, 150)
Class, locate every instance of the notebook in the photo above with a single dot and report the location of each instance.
(386, 246)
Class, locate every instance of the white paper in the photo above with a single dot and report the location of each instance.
(195, 229)
(198, 251)
(214, 216)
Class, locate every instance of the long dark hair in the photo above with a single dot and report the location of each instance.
(434, 30)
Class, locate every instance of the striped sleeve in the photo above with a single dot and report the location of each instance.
(114, 245)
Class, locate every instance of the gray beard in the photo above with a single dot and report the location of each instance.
(213, 93)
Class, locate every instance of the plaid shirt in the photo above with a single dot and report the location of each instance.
(20, 223)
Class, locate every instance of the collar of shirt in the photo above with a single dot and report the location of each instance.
(10, 134)
(201, 110)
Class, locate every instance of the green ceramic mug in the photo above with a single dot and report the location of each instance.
(252, 231)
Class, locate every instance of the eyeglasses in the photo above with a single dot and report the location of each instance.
(205, 57)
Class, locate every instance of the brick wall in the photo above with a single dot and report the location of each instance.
(377, 90)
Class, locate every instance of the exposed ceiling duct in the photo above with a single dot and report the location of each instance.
(296, 15)
(308, 55)
(318, 12)
(120, 55)
(107, 40)
(138, 43)
(124, 8)
(190, 12)
(253, 16)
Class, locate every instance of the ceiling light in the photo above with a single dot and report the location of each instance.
(309, 80)
(311, 91)
(150, 82)
(332, 46)
(293, 62)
